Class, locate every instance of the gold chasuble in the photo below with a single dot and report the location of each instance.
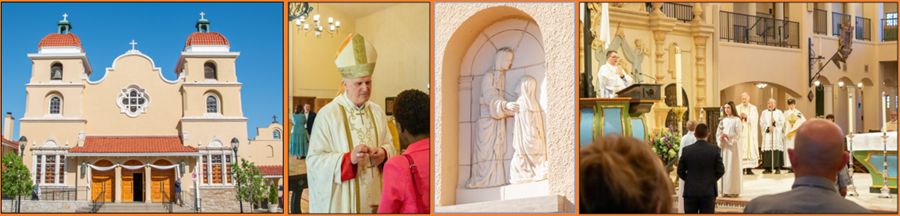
(339, 127)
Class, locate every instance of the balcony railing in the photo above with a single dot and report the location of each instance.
(889, 29)
(820, 21)
(742, 28)
(863, 29)
(678, 11)
(836, 20)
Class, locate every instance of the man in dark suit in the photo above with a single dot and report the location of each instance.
(310, 117)
(700, 166)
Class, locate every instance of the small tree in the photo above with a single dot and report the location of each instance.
(249, 182)
(16, 177)
(273, 193)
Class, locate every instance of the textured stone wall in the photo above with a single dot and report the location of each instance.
(220, 200)
(557, 25)
(45, 206)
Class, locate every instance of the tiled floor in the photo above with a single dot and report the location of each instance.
(765, 184)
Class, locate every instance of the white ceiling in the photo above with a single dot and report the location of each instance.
(358, 10)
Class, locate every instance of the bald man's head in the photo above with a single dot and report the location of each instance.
(818, 150)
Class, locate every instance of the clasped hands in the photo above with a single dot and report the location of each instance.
(376, 155)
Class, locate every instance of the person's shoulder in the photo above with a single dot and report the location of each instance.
(397, 162)
(376, 108)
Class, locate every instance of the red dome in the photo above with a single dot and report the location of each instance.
(206, 38)
(54, 39)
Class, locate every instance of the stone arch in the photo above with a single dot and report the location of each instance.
(461, 75)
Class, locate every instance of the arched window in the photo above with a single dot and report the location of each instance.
(55, 104)
(276, 134)
(212, 104)
(209, 70)
(56, 71)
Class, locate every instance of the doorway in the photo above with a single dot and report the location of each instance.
(138, 187)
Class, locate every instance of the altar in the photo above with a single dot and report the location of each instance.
(869, 149)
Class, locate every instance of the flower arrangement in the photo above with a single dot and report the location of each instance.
(666, 143)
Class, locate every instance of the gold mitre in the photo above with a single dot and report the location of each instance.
(355, 57)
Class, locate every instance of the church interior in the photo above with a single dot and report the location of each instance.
(398, 31)
(699, 56)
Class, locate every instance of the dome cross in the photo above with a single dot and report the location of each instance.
(132, 44)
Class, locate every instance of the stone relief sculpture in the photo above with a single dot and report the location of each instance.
(529, 162)
(490, 146)
(635, 56)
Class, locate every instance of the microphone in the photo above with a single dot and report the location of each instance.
(654, 79)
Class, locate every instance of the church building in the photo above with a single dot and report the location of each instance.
(130, 135)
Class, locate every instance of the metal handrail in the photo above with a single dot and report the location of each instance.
(98, 202)
(820, 21)
(680, 12)
(863, 25)
(889, 29)
(837, 19)
(742, 28)
(166, 202)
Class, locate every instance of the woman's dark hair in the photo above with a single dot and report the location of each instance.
(412, 110)
(623, 175)
(733, 108)
(299, 109)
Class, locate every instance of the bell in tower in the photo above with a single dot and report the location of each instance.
(56, 72)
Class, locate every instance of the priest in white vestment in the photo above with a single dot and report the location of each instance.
(793, 119)
(890, 126)
(749, 144)
(350, 139)
(771, 123)
(729, 137)
(611, 77)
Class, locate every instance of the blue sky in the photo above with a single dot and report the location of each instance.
(160, 29)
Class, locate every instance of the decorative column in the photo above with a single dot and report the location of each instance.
(660, 25)
(56, 169)
(43, 160)
(118, 182)
(701, 31)
(148, 184)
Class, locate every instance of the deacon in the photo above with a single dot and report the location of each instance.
(749, 145)
(612, 77)
(793, 119)
(771, 122)
(350, 139)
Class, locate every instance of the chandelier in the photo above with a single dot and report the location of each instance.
(300, 13)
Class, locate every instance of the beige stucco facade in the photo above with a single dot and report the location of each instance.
(159, 122)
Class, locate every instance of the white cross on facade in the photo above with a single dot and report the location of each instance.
(201, 14)
(132, 44)
(64, 16)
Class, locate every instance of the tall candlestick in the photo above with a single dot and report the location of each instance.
(678, 77)
(850, 114)
(884, 117)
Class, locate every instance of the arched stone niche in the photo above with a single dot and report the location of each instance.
(523, 36)
(458, 28)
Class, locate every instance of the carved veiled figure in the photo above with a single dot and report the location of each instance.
(529, 162)
(488, 151)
